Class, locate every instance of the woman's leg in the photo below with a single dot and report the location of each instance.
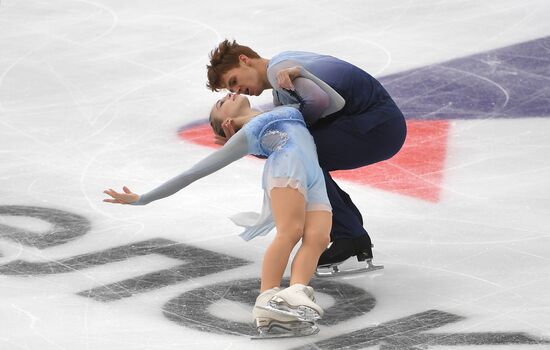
(315, 240)
(289, 213)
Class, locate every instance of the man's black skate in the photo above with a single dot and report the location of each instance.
(343, 249)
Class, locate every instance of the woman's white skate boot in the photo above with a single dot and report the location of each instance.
(272, 324)
(298, 301)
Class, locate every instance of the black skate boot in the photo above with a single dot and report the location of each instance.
(343, 249)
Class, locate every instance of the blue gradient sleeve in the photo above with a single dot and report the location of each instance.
(316, 98)
(235, 148)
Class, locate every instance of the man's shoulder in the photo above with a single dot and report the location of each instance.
(288, 59)
(292, 55)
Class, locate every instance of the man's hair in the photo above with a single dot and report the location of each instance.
(223, 58)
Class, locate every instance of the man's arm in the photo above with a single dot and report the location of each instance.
(316, 98)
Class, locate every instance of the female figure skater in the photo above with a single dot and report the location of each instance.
(295, 203)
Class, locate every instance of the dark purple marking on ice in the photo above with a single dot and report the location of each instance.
(510, 82)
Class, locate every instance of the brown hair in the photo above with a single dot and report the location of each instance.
(216, 126)
(223, 58)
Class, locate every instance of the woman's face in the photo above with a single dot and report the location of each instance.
(231, 106)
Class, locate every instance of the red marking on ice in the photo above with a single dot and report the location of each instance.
(201, 134)
(416, 171)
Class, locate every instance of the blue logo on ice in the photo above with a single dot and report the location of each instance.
(510, 82)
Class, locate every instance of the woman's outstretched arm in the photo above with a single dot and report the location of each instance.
(234, 149)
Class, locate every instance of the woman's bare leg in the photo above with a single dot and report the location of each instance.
(315, 240)
(289, 213)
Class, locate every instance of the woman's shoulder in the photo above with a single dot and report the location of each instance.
(277, 114)
(284, 111)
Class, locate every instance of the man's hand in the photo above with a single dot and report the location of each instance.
(121, 198)
(286, 76)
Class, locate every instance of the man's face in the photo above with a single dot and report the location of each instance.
(243, 79)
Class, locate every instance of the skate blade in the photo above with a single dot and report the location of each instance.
(295, 330)
(301, 313)
(334, 270)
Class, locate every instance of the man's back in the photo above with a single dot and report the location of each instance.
(359, 89)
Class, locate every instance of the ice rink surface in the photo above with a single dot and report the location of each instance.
(99, 94)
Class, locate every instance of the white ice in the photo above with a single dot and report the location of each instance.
(92, 94)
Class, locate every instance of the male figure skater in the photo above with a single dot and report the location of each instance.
(369, 129)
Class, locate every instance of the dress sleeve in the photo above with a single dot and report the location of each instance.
(316, 98)
(235, 148)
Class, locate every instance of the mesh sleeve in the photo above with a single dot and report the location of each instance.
(315, 97)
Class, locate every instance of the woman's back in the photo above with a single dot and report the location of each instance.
(278, 129)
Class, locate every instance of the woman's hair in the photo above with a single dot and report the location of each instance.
(222, 59)
(216, 126)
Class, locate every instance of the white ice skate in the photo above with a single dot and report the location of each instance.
(296, 301)
(272, 324)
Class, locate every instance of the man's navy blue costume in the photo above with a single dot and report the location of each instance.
(369, 129)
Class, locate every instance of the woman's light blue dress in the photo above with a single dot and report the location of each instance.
(281, 136)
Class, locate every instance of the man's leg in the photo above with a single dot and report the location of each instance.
(347, 220)
(346, 144)
(348, 236)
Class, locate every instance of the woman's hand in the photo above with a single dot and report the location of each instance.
(121, 198)
(228, 129)
(286, 76)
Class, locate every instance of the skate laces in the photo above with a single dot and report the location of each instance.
(264, 297)
(300, 288)
(310, 293)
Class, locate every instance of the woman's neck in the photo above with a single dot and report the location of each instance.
(245, 118)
